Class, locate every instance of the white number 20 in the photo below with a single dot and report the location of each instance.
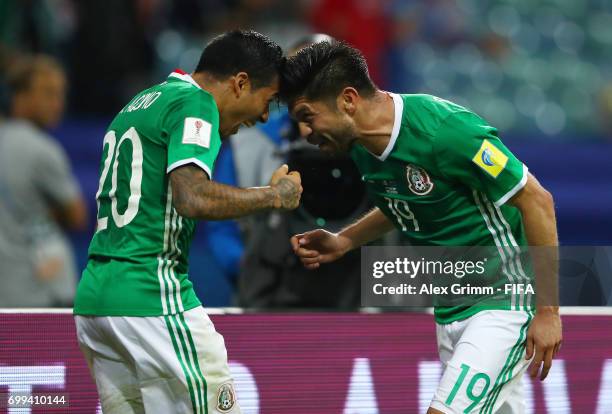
(133, 202)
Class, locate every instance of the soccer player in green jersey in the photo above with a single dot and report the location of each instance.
(147, 340)
(440, 174)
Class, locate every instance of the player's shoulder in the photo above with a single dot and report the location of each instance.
(428, 113)
(431, 105)
(180, 89)
(170, 91)
(184, 97)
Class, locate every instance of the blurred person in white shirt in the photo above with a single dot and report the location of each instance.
(39, 196)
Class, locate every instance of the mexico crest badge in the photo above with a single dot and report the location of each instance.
(226, 398)
(418, 180)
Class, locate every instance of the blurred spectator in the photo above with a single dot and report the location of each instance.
(112, 54)
(539, 71)
(605, 110)
(223, 242)
(29, 25)
(256, 154)
(362, 23)
(271, 276)
(38, 192)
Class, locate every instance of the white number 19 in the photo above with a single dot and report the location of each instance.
(401, 211)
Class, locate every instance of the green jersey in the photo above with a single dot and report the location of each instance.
(443, 180)
(138, 256)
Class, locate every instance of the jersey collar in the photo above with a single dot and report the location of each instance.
(398, 104)
(184, 76)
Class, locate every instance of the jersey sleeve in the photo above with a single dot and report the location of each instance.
(468, 150)
(192, 125)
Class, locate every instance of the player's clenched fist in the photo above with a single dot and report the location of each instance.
(288, 188)
(319, 246)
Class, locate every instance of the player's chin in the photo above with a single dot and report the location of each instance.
(228, 133)
(331, 150)
(327, 148)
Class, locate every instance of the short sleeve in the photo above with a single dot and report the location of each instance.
(469, 150)
(192, 125)
(54, 176)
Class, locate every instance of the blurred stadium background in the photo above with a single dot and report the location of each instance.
(539, 71)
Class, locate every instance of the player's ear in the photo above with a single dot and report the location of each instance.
(241, 83)
(348, 99)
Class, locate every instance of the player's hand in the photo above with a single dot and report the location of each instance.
(319, 246)
(544, 339)
(288, 188)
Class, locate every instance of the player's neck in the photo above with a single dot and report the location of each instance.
(216, 88)
(374, 121)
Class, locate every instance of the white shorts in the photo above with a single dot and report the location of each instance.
(166, 364)
(484, 360)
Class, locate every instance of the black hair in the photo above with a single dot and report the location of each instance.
(242, 51)
(322, 70)
(309, 40)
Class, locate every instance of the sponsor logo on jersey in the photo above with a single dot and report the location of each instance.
(486, 157)
(197, 131)
(418, 180)
(490, 159)
(226, 398)
(390, 186)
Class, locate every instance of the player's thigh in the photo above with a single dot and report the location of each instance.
(118, 387)
(513, 399)
(212, 358)
(487, 363)
(111, 368)
(164, 362)
(182, 364)
(446, 341)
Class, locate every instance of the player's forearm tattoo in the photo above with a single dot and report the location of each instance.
(288, 193)
(195, 196)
